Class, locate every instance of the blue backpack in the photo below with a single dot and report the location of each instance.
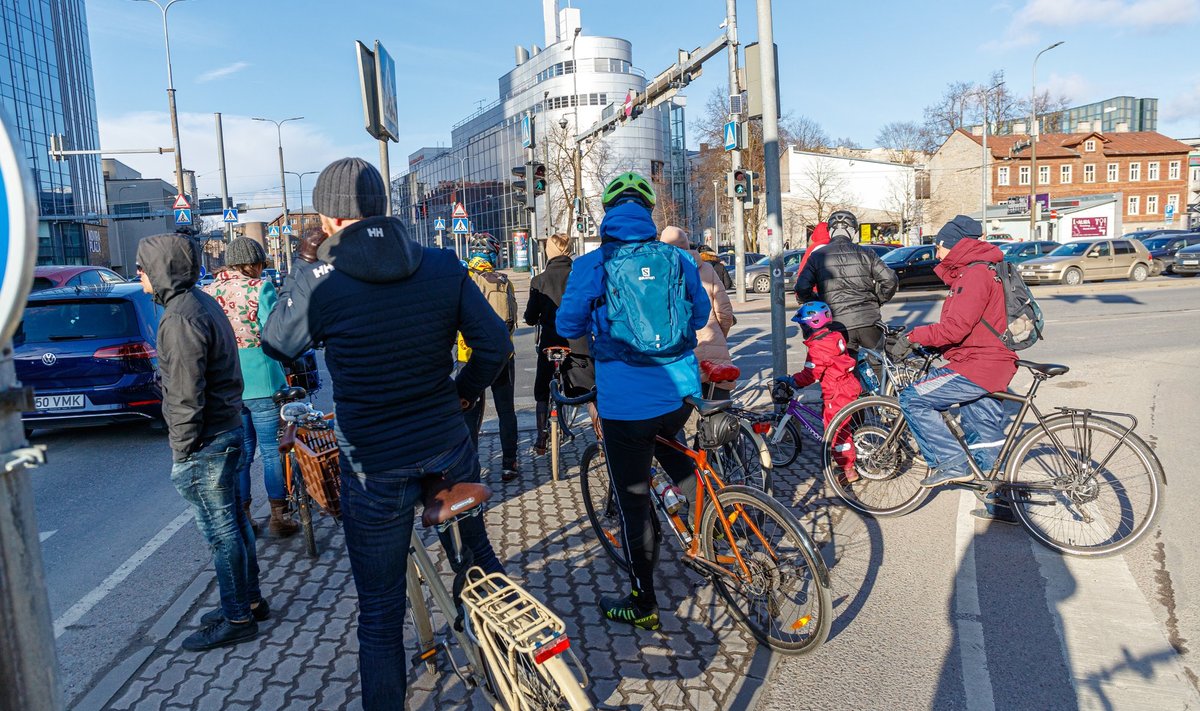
(649, 312)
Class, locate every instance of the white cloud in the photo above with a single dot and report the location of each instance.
(1179, 115)
(1142, 14)
(1077, 88)
(251, 156)
(222, 72)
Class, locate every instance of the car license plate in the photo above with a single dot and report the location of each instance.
(1190, 262)
(59, 402)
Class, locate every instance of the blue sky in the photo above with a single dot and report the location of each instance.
(850, 66)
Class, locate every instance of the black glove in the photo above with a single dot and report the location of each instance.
(900, 347)
(782, 388)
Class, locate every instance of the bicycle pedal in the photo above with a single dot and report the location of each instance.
(427, 656)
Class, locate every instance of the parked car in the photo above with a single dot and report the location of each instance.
(53, 277)
(914, 265)
(1017, 252)
(90, 354)
(729, 259)
(1187, 261)
(1141, 235)
(1163, 249)
(882, 249)
(1089, 260)
(758, 275)
(1000, 237)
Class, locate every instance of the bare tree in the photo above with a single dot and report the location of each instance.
(949, 112)
(821, 190)
(901, 204)
(906, 140)
(596, 167)
(805, 134)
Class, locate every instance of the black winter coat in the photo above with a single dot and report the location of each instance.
(853, 280)
(545, 294)
(388, 311)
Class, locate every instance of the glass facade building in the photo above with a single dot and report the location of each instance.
(1124, 112)
(46, 86)
(566, 87)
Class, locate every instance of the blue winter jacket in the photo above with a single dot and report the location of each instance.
(626, 391)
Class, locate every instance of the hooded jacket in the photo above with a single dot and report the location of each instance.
(972, 350)
(545, 294)
(711, 344)
(818, 239)
(717, 266)
(626, 391)
(387, 310)
(197, 351)
(853, 280)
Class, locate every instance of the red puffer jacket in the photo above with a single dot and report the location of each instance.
(830, 365)
(972, 350)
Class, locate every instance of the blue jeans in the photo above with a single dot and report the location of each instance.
(206, 481)
(377, 515)
(260, 423)
(982, 420)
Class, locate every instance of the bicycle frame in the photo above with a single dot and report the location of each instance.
(796, 409)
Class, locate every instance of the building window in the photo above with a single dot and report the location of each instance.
(1135, 171)
(1173, 170)
(1023, 175)
(1002, 175)
(1173, 201)
(1064, 174)
(1133, 205)
(1089, 146)
(1152, 171)
(1114, 172)
(1043, 175)
(1151, 204)
(1089, 173)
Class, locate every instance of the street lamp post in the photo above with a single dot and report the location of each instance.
(1033, 134)
(576, 159)
(171, 93)
(300, 179)
(282, 172)
(987, 177)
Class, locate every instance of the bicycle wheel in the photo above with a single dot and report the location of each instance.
(785, 601)
(889, 475)
(783, 443)
(1094, 496)
(303, 505)
(746, 461)
(553, 687)
(602, 508)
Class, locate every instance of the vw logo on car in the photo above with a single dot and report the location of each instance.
(49, 359)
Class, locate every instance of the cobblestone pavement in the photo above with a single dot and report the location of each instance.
(306, 656)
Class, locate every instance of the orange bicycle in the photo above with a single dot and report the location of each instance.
(309, 451)
(761, 561)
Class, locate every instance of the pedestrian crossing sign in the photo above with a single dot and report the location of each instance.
(230, 214)
(274, 231)
(461, 226)
(287, 230)
(439, 224)
(183, 217)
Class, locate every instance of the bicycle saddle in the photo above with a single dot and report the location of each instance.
(287, 394)
(445, 501)
(708, 407)
(1047, 369)
(719, 372)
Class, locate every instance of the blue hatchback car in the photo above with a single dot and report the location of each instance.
(89, 353)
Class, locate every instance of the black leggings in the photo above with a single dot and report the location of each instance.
(629, 447)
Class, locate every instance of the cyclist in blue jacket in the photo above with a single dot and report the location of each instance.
(636, 401)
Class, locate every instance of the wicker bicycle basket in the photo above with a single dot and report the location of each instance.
(317, 455)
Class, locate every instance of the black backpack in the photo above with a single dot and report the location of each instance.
(1025, 321)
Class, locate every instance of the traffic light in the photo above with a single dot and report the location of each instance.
(538, 171)
(582, 223)
(519, 188)
(740, 184)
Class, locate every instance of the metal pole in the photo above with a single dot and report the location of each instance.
(577, 156)
(174, 117)
(1033, 136)
(385, 167)
(983, 201)
(717, 218)
(770, 104)
(224, 178)
(737, 215)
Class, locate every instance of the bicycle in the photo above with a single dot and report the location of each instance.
(516, 648)
(1056, 474)
(309, 450)
(562, 417)
(881, 374)
(780, 578)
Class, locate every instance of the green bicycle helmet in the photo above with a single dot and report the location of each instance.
(632, 183)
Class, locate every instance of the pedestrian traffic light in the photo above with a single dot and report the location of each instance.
(538, 171)
(740, 184)
(519, 188)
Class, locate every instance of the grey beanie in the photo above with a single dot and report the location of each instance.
(244, 250)
(351, 189)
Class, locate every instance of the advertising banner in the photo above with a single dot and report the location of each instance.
(1089, 227)
(520, 255)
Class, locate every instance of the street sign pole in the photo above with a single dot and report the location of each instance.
(737, 214)
(224, 181)
(774, 202)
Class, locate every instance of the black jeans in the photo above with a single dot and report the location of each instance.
(503, 394)
(864, 336)
(629, 446)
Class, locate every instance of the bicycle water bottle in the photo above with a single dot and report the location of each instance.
(666, 491)
(866, 374)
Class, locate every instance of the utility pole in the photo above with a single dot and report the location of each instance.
(774, 201)
(224, 179)
(1033, 139)
(737, 216)
(171, 94)
(282, 251)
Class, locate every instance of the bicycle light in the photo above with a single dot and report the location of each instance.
(555, 646)
(762, 428)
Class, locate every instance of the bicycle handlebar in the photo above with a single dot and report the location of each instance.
(556, 393)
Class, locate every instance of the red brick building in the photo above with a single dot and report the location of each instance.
(1148, 169)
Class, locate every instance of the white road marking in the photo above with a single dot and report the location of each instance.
(1113, 647)
(46, 534)
(101, 591)
(977, 680)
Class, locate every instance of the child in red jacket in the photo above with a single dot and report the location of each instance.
(830, 365)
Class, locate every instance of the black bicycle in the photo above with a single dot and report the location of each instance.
(1079, 480)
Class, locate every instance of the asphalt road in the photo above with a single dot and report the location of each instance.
(1042, 632)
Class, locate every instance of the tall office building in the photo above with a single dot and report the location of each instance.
(566, 87)
(46, 86)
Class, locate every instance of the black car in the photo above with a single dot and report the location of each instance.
(1187, 261)
(1164, 247)
(1143, 235)
(90, 355)
(730, 258)
(914, 265)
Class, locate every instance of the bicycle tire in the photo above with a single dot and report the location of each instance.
(785, 451)
(602, 509)
(303, 507)
(1146, 473)
(889, 482)
(746, 461)
(563, 683)
(813, 599)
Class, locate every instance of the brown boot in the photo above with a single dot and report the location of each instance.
(281, 525)
(253, 524)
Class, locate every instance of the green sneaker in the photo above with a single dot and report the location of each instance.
(631, 611)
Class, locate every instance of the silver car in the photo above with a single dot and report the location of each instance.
(1083, 260)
